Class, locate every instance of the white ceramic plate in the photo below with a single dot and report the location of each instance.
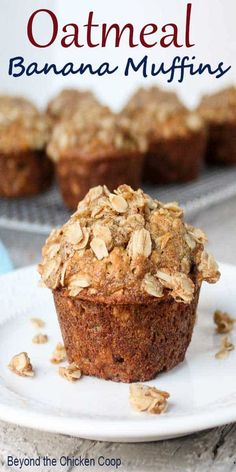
(203, 389)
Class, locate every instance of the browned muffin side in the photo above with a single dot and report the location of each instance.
(94, 148)
(68, 102)
(176, 138)
(146, 338)
(24, 168)
(219, 112)
(126, 272)
(176, 146)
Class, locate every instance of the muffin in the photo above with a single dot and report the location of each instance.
(145, 96)
(176, 145)
(24, 168)
(68, 102)
(219, 113)
(176, 137)
(126, 272)
(95, 148)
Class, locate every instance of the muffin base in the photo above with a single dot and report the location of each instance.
(221, 146)
(177, 159)
(76, 176)
(24, 173)
(126, 343)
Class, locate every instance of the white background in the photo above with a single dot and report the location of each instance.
(213, 32)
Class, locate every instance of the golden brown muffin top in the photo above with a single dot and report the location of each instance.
(125, 247)
(219, 107)
(149, 96)
(158, 114)
(94, 134)
(68, 101)
(22, 127)
(166, 122)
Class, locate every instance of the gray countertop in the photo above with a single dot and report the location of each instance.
(213, 450)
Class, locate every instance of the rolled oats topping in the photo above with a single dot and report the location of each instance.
(208, 268)
(152, 286)
(149, 399)
(219, 107)
(223, 321)
(118, 203)
(77, 283)
(99, 248)
(21, 365)
(98, 132)
(143, 97)
(123, 245)
(140, 244)
(22, 126)
(181, 286)
(70, 101)
(157, 113)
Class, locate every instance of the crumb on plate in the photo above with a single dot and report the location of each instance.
(21, 365)
(71, 373)
(149, 399)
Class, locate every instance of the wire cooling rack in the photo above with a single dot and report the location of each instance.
(42, 213)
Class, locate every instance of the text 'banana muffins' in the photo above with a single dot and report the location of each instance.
(95, 147)
(176, 137)
(24, 132)
(219, 112)
(126, 272)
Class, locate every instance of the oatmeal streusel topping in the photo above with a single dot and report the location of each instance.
(70, 101)
(159, 114)
(136, 249)
(22, 127)
(144, 97)
(96, 131)
(219, 107)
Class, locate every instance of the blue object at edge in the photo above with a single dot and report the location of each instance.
(5, 261)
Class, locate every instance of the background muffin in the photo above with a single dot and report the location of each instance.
(219, 112)
(144, 97)
(126, 273)
(24, 168)
(176, 144)
(68, 102)
(94, 148)
(176, 137)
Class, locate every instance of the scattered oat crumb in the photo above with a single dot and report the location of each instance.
(59, 354)
(40, 338)
(150, 399)
(225, 347)
(71, 373)
(37, 322)
(20, 364)
(224, 322)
